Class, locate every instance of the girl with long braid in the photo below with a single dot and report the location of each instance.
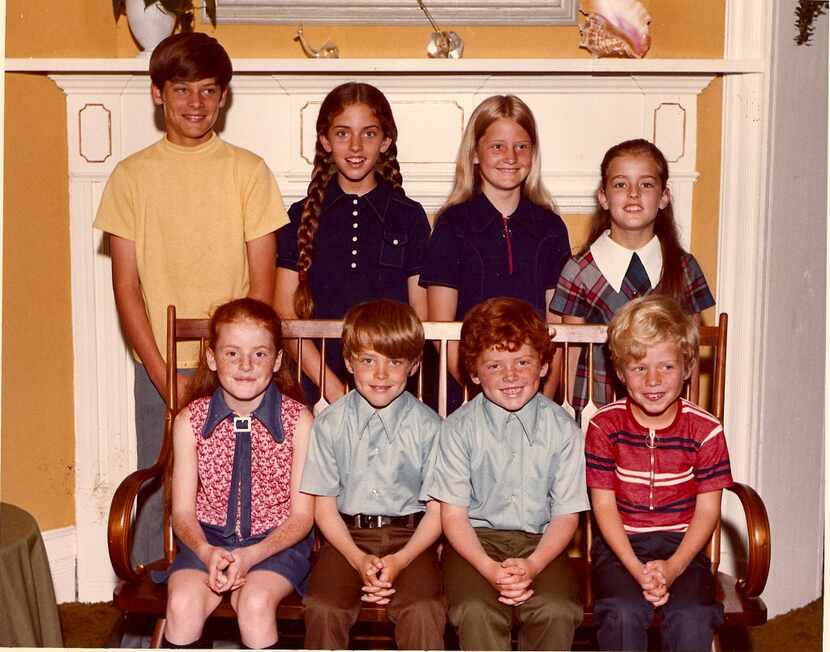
(356, 236)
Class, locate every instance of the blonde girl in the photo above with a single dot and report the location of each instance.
(633, 250)
(356, 236)
(498, 234)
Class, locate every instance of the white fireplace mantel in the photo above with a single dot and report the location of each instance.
(583, 106)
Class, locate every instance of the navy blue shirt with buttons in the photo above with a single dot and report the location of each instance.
(366, 247)
(475, 250)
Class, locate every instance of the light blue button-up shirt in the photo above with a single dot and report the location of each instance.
(374, 461)
(511, 470)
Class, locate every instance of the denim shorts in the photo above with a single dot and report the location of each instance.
(292, 563)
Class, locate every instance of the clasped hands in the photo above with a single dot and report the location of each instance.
(378, 575)
(227, 569)
(655, 577)
(512, 578)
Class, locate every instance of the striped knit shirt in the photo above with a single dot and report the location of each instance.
(656, 475)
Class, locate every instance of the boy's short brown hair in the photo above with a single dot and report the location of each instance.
(648, 321)
(190, 56)
(389, 327)
(504, 323)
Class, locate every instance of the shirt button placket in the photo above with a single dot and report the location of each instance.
(355, 225)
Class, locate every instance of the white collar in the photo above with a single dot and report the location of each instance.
(613, 259)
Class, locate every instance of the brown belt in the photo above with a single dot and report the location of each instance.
(363, 521)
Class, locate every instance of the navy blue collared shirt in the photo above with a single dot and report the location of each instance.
(366, 248)
(475, 252)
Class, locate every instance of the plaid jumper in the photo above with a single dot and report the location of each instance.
(584, 292)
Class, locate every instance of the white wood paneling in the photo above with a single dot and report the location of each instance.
(579, 117)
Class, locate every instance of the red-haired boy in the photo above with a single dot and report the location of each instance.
(510, 475)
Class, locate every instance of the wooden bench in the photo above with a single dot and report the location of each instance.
(137, 594)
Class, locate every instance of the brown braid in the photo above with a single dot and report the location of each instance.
(389, 168)
(324, 169)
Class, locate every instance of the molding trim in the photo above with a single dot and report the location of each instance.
(274, 115)
(61, 551)
(397, 12)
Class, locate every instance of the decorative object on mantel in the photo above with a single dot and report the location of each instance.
(616, 28)
(442, 45)
(805, 13)
(151, 21)
(328, 50)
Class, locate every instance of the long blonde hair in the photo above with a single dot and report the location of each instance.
(466, 171)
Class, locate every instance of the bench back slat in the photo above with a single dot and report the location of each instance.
(712, 340)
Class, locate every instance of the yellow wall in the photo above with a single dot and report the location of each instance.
(38, 436)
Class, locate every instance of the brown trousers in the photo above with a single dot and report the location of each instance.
(418, 607)
(547, 621)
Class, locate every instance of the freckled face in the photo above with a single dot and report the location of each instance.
(380, 380)
(244, 360)
(191, 108)
(633, 195)
(509, 378)
(355, 142)
(654, 383)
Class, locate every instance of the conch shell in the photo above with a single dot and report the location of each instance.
(615, 28)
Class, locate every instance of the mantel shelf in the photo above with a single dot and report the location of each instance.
(425, 66)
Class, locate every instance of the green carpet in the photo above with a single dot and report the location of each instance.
(90, 626)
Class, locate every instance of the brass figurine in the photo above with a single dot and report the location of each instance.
(328, 50)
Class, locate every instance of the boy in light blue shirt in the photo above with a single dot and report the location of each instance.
(368, 457)
(510, 476)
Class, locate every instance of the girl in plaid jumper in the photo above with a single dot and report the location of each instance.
(633, 250)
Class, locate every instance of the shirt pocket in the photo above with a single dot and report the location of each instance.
(392, 248)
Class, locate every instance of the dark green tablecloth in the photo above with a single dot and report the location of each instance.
(28, 610)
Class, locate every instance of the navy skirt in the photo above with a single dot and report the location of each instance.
(292, 563)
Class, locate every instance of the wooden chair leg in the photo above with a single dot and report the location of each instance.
(158, 633)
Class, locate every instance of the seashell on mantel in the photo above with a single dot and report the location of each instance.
(615, 28)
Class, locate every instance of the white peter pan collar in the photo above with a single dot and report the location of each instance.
(613, 259)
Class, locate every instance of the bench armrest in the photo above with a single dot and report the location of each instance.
(758, 536)
(120, 523)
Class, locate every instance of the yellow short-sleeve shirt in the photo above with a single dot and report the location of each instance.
(190, 212)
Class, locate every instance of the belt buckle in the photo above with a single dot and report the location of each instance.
(374, 521)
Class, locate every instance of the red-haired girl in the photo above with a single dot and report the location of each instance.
(240, 522)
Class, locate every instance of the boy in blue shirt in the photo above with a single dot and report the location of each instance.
(367, 460)
(510, 476)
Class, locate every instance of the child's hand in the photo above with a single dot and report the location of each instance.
(368, 566)
(378, 589)
(495, 574)
(654, 586)
(664, 570)
(218, 561)
(515, 587)
(391, 567)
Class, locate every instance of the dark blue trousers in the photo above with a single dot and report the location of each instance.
(687, 621)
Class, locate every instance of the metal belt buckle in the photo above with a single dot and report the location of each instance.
(242, 424)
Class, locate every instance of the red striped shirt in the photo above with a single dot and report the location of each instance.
(656, 475)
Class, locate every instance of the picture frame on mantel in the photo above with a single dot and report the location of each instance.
(398, 12)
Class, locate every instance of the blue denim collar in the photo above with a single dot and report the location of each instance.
(267, 413)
